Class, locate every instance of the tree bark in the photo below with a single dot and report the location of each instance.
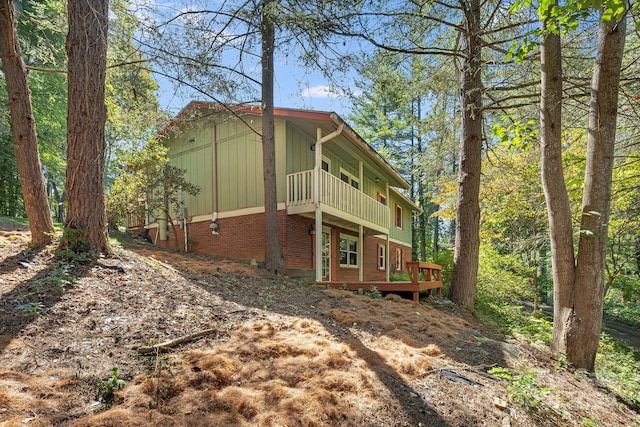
(467, 241)
(23, 129)
(86, 222)
(274, 261)
(579, 284)
(585, 323)
(555, 190)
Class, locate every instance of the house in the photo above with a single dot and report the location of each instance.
(341, 213)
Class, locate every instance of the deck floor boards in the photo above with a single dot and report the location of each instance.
(399, 286)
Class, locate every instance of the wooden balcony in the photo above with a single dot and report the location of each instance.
(337, 198)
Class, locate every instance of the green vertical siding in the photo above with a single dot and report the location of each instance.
(191, 149)
(404, 234)
(299, 155)
(239, 161)
(239, 165)
(281, 159)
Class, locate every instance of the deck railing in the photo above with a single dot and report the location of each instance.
(337, 194)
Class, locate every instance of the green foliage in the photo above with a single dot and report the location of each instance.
(32, 309)
(265, 298)
(519, 50)
(445, 258)
(75, 242)
(373, 292)
(59, 278)
(130, 96)
(401, 276)
(522, 388)
(148, 186)
(502, 279)
(618, 368)
(11, 204)
(74, 248)
(109, 387)
(615, 308)
(515, 134)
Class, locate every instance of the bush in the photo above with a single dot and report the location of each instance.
(502, 279)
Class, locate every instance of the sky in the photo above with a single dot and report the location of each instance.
(291, 90)
(295, 86)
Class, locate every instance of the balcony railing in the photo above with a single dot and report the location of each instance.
(336, 194)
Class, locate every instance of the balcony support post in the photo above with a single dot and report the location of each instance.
(317, 169)
(388, 258)
(361, 254)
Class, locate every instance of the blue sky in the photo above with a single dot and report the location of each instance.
(291, 90)
(295, 86)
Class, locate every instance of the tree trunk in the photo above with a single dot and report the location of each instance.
(555, 190)
(585, 323)
(86, 222)
(424, 216)
(273, 253)
(23, 129)
(579, 287)
(436, 233)
(415, 224)
(467, 241)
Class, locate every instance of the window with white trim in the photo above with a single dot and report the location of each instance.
(348, 251)
(382, 256)
(399, 216)
(398, 259)
(349, 178)
(326, 164)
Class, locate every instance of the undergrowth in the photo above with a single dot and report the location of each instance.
(617, 367)
(501, 288)
(628, 313)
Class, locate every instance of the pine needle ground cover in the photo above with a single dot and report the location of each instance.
(282, 352)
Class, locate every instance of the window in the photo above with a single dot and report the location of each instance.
(348, 251)
(382, 256)
(326, 164)
(382, 199)
(399, 216)
(349, 178)
(399, 259)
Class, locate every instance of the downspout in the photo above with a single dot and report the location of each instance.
(163, 224)
(214, 183)
(316, 194)
(186, 236)
(361, 257)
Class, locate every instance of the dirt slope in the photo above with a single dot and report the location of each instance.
(281, 352)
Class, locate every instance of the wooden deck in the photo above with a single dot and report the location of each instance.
(424, 277)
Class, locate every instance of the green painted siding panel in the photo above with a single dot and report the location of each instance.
(191, 150)
(299, 155)
(281, 160)
(239, 158)
(403, 234)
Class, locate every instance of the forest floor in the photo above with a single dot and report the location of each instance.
(274, 351)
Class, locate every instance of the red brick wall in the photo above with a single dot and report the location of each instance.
(369, 258)
(298, 244)
(243, 238)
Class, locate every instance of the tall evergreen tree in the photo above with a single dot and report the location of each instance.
(23, 128)
(86, 222)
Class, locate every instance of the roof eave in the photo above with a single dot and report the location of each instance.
(369, 151)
